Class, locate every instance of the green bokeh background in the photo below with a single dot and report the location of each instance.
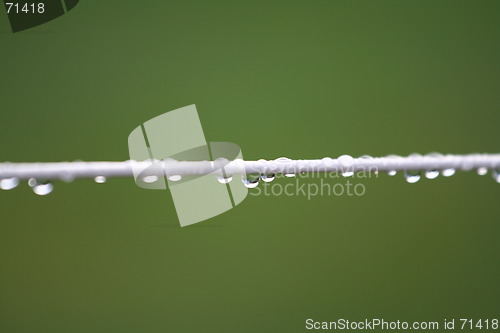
(302, 79)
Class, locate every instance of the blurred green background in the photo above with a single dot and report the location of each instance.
(302, 79)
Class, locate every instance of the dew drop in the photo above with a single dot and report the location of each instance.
(346, 163)
(448, 172)
(412, 176)
(9, 183)
(174, 178)
(482, 171)
(43, 188)
(250, 181)
(268, 178)
(224, 180)
(100, 179)
(32, 182)
(282, 159)
(347, 173)
(392, 172)
(150, 179)
(285, 160)
(496, 175)
(431, 174)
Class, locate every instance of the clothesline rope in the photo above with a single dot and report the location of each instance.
(444, 164)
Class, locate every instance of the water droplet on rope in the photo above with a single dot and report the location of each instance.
(224, 180)
(174, 178)
(250, 181)
(150, 179)
(100, 179)
(43, 188)
(287, 173)
(496, 175)
(9, 183)
(431, 174)
(482, 171)
(448, 172)
(412, 176)
(268, 178)
(346, 163)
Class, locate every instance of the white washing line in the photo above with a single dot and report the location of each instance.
(447, 164)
